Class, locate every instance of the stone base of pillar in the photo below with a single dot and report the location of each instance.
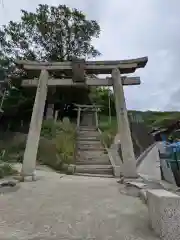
(25, 177)
(129, 169)
(117, 171)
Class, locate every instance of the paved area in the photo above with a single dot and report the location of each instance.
(72, 207)
(150, 165)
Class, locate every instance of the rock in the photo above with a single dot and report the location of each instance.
(8, 184)
(143, 195)
(121, 180)
(71, 169)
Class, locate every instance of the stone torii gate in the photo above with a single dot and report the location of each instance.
(92, 108)
(79, 73)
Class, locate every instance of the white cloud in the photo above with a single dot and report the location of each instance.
(132, 29)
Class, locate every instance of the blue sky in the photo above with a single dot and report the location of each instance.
(130, 29)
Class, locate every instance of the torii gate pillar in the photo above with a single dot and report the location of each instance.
(30, 154)
(129, 161)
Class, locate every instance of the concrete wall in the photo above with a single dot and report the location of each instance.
(164, 213)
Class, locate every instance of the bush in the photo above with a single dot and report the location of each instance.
(47, 153)
(66, 141)
(57, 144)
(15, 152)
(14, 147)
(107, 138)
(109, 130)
(48, 129)
(65, 144)
(5, 168)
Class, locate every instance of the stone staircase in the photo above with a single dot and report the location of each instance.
(92, 158)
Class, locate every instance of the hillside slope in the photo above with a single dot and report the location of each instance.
(157, 119)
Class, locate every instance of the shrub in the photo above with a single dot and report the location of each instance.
(107, 138)
(109, 130)
(58, 144)
(66, 141)
(5, 168)
(15, 152)
(65, 144)
(48, 129)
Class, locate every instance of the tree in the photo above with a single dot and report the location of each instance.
(50, 34)
(103, 96)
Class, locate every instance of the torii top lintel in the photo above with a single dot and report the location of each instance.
(91, 67)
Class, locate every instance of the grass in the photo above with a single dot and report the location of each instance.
(109, 129)
(62, 141)
(57, 146)
(5, 168)
(66, 142)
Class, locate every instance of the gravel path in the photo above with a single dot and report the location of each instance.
(72, 207)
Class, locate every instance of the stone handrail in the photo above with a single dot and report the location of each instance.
(116, 168)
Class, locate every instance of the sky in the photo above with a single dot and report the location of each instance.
(130, 29)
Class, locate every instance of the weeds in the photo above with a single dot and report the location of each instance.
(5, 168)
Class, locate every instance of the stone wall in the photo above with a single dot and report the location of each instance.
(140, 136)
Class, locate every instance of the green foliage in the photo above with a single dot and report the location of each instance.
(63, 143)
(16, 101)
(5, 168)
(151, 119)
(66, 142)
(103, 96)
(15, 152)
(105, 124)
(107, 138)
(48, 129)
(51, 33)
(109, 129)
(57, 145)
(14, 145)
(159, 119)
(48, 34)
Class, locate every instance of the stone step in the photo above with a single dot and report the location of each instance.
(93, 161)
(94, 175)
(87, 138)
(88, 134)
(89, 142)
(88, 129)
(88, 162)
(94, 169)
(103, 157)
(92, 154)
(90, 147)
